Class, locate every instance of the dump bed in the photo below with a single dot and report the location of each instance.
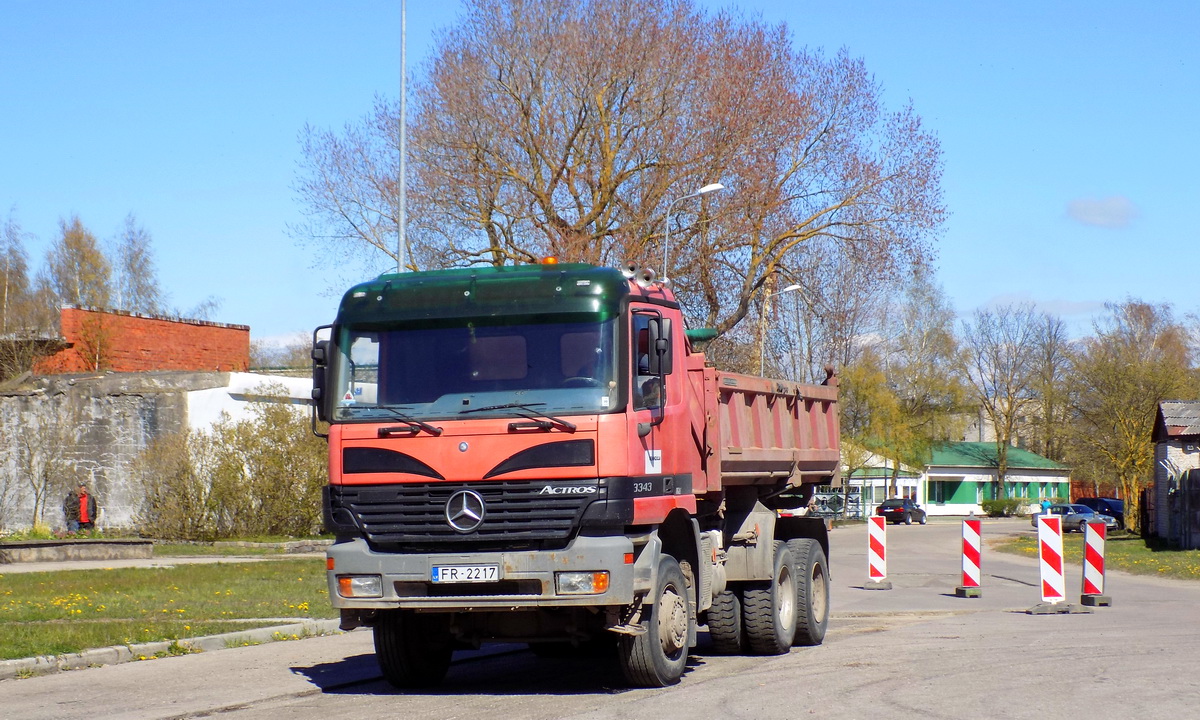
(771, 431)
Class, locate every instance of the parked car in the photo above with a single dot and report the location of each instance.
(1106, 506)
(1075, 515)
(899, 510)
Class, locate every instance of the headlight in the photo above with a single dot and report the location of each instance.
(580, 583)
(360, 586)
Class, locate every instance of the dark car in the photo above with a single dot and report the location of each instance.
(1106, 506)
(899, 510)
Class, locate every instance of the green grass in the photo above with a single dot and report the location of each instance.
(52, 613)
(1129, 553)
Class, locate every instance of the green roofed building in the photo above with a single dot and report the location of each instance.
(960, 476)
(957, 479)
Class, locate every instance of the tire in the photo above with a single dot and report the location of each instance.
(924, 518)
(908, 518)
(657, 657)
(725, 624)
(812, 591)
(413, 652)
(769, 609)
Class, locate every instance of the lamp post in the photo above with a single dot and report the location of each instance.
(762, 325)
(711, 188)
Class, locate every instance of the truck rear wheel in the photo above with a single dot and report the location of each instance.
(812, 591)
(725, 624)
(769, 609)
(657, 657)
(412, 651)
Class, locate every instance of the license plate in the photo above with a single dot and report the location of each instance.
(465, 573)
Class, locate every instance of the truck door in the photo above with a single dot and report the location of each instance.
(655, 390)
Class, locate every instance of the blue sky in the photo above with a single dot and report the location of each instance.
(1068, 129)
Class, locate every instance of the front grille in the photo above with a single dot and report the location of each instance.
(518, 514)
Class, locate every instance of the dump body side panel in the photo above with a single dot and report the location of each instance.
(774, 430)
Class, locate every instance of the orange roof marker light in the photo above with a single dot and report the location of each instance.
(550, 260)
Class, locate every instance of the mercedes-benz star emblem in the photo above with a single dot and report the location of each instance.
(465, 511)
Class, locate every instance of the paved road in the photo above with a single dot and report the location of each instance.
(913, 651)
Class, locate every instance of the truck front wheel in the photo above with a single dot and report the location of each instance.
(413, 652)
(657, 657)
(769, 609)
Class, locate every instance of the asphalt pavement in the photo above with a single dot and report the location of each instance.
(916, 650)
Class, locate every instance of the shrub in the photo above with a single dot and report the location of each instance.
(1004, 507)
(259, 476)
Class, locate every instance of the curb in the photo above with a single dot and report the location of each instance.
(116, 654)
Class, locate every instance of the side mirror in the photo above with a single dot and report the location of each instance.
(320, 378)
(660, 346)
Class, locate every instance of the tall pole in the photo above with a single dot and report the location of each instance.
(714, 187)
(401, 241)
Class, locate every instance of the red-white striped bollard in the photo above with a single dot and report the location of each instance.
(1054, 586)
(971, 557)
(877, 554)
(1093, 565)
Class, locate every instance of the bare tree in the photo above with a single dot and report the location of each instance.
(1052, 357)
(77, 269)
(41, 454)
(295, 354)
(538, 130)
(923, 365)
(14, 276)
(903, 391)
(28, 312)
(1138, 358)
(834, 315)
(135, 283)
(998, 362)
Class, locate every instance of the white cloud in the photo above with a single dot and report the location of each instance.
(1111, 212)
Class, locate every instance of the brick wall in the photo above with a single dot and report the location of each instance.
(126, 342)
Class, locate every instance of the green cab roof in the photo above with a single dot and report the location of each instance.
(482, 292)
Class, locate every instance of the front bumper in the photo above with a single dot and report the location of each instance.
(526, 578)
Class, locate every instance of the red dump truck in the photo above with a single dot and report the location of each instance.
(540, 454)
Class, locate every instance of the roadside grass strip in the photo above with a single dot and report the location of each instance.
(53, 613)
(1128, 553)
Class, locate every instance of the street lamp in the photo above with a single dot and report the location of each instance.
(713, 187)
(762, 325)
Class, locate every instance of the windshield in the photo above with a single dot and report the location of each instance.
(550, 364)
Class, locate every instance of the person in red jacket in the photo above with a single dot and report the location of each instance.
(80, 508)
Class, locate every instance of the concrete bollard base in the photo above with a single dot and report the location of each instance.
(1061, 608)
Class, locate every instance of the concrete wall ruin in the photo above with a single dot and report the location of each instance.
(57, 430)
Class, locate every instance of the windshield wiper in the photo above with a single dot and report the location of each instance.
(411, 424)
(538, 416)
